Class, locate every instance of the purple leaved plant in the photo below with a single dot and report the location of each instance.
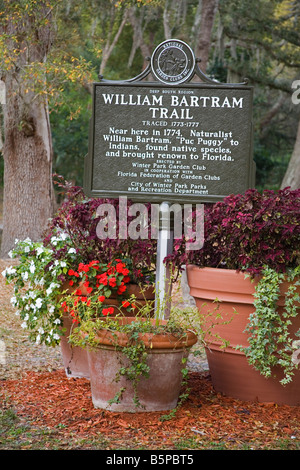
(248, 231)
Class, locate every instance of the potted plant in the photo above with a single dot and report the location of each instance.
(249, 267)
(44, 271)
(136, 363)
(98, 290)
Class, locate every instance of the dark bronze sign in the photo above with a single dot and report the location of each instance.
(177, 142)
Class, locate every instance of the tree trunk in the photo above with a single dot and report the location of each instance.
(28, 192)
(28, 197)
(110, 43)
(292, 175)
(136, 21)
(264, 123)
(208, 10)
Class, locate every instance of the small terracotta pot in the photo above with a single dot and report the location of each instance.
(142, 296)
(230, 371)
(74, 358)
(157, 392)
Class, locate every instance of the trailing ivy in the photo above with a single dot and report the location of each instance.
(270, 341)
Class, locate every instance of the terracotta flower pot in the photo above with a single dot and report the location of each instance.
(142, 296)
(159, 391)
(74, 358)
(230, 371)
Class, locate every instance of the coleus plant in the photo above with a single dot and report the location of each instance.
(247, 232)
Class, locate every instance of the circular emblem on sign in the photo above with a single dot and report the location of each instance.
(173, 62)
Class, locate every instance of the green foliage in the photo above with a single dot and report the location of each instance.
(271, 343)
(117, 65)
(264, 47)
(270, 164)
(70, 136)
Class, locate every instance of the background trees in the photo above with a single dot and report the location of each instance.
(31, 75)
(52, 50)
(264, 45)
(26, 40)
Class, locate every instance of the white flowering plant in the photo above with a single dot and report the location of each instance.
(39, 279)
(43, 272)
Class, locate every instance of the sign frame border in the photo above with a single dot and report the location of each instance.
(158, 198)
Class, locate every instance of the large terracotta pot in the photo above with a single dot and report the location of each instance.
(159, 391)
(230, 371)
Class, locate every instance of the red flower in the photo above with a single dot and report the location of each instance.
(101, 298)
(71, 283)
(108, 311)
(71, 272)
(111, 270)
(102, 278)
(112, 282)
(125, 303)
(83, 299)
(120, 267)
(83, 267)
(73, 314)
(94, 263)
(121, 289)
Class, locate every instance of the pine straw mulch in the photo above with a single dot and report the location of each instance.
(34, 385)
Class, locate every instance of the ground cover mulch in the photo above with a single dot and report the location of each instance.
(51, 400)
(33, 384)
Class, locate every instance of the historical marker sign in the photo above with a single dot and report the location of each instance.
(168, 140)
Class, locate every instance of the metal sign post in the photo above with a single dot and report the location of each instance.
(163, 276)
